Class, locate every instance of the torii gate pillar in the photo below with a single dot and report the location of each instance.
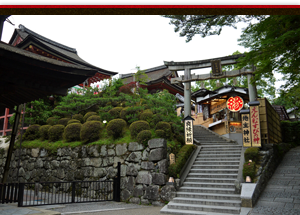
(187, 93)
(251, 87)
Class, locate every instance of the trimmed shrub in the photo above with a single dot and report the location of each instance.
(130, 114)
(32, 132)
(115, 112)
(43, 132)
(87, 115)
(160, 133)
(166, 127)
(72, 132)
(181, 158)
(115, 127)
(52, 121)
(156, 119)
(249, 170)
(143, 137)
(90, 131)
(63, 121)
(94, 118)
(251, 154)
(180, 139)
(55, 132)
(147, 115)
(73, 121)
(78, 117)
(137, 127)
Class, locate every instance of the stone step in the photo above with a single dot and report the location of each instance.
(220, 166)
(218, 146)
(206, 208)
(229, 203)
(234, 152)
(220, 149)
(166, 210)
(219, 155)
(217, 159)
(207, 190)
(214, 143)
(209, 195)
(212, 175)
(217, 163)
(210, 180)
(209, 185)
(213, 171)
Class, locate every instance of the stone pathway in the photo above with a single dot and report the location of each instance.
(282, 194)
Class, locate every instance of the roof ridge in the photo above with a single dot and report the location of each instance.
(30, 32)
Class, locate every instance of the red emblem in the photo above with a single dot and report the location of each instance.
(235, 103)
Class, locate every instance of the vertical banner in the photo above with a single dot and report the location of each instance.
(246, 130)
(255, 126)
(188, 125)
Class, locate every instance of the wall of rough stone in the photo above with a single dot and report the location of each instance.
(143, 170)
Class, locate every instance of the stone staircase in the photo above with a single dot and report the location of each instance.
(209, 187)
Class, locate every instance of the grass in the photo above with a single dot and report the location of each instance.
(104, 140)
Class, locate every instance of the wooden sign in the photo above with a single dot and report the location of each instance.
(216, 67)
(255, 126)
(217, 107)
(246, 130)
(188, 125)
(172, 158)
(235, 104)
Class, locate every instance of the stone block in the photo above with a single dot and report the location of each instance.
(151, 192)
(111, 172)
(124, 181)
(65, 164)
(39, 163)
(123, 170)
(118, 159)
(144, 178)
(158, 203)
(158, 154)
(144, 201)
(134, 157)
(103, 150)
(93, 151)
(168, 192)
(134, 146)
(121, 149)
(157, 143)
(99, 172)
(147, 165)
(96, 162)
(163, 166)
(111, 152)
(145, 155)
(138, 191)
(43, 153)
(35, 152)
(130, 183)
(135, 200)
(132, 170)
(159, 178)
(125, 195)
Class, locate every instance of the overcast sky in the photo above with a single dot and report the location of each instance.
(120, 43)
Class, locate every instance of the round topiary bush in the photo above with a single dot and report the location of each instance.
(72, 132)
(143, 137)
(55, 132)
(147, 115)
(166, 127)
(156, 119)
(78, 117)
(94, 118)
(32, 132)
(115, 127)
(43, 132)
(137, 127)
(88, 114)
(73, 121)
(63, 121)
(90, 131)
(115, 112)
(52, 121)
(160, 133)
(129, 113)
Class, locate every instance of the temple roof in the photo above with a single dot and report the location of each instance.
(29, 37)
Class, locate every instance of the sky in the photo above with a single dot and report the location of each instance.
(121, 43)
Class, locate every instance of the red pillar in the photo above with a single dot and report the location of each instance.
(5, 121)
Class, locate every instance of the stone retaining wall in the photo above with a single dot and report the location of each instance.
(143, 170)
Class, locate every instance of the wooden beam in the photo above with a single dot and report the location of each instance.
(208, 76)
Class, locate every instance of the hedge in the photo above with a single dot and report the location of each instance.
(90, 131)
(63, 121)
(52, 121)
(181, 158)
(43, 132)
(32, 132)
(249, 170)
(94, 118)
(78, 117)
(73, 121)
(87, 115)
(251, 154)
(143, 137)
(166, 127)
(115, 112)
(160, 133)
(55, 132)
(147, 115)
(115, 127)
(290, 132)
(72, 132)
(137, 127)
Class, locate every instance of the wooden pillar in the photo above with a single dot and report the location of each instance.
(5, 124)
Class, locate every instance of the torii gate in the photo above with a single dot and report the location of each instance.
(216, 64)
